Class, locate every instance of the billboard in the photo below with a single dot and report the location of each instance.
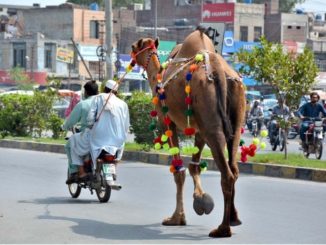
(218, 12)
(164, 49)
(65, 55)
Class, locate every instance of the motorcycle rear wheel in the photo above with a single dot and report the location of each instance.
(104, 192)
(74, 189)
(319, 149)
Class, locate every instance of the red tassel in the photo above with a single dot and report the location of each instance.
(189, 131)
(153, 113)
(167, 121)
(188, 100)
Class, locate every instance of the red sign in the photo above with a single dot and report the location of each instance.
(37, 76)
(218, 12)
(291, 46)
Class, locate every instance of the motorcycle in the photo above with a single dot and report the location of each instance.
(102, 179)
(254, 126)
(277, 138)
(314, 137)
(293, 131)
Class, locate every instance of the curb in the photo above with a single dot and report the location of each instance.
(271, 170)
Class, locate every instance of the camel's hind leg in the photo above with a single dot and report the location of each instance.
(217, 142)
(238, 107)
(203, 203)
(178, 217)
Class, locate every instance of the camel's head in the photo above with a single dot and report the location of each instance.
(145, 50)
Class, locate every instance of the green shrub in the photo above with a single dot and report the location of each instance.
(140, 107)
(54, 124)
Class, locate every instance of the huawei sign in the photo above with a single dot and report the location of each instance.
(218, 12)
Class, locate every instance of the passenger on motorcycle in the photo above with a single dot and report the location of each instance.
(109, 120)
(256, 112)
(281, 109)
(78, 144)
(312, 109)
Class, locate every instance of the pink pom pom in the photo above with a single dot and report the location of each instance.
(242, 130)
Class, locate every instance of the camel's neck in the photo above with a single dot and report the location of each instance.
(152, 72)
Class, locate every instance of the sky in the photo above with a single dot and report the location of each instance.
(317, 6)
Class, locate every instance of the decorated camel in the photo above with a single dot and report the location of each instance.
(198, 93)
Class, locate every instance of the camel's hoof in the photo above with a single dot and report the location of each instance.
(203, 204)
(235, 222)
(221, 231)
(174, 221)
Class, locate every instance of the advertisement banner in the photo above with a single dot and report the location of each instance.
(88, 52)
(218, 12)
(164, 49)
(65, 55)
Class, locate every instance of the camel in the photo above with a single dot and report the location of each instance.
(218, 113)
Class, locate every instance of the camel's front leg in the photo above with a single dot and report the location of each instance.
(203, 203)
(178, 217)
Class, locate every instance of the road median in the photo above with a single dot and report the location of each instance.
(272, 170)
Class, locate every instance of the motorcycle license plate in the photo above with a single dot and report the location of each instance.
(318, 128)
(108, 168)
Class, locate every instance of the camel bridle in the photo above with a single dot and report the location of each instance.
(153, 51)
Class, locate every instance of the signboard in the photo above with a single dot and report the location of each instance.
(218, 12)
(215, 31)
(88, 52)
(65, 55)
(164, 49)
(136, 73)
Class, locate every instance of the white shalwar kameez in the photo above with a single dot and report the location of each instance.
(109, 133)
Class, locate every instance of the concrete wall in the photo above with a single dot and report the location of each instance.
(251, 15)
(294, 27)
(53, 22)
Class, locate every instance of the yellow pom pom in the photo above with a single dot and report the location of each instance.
(128, 69)
(264, 133)
(157, 146)
(166, 146)
(174, 150)
(164, 138)
(199, 57)
(255, 141)
(165, 65)
(188, 89)
(262, 145)
(194, 150)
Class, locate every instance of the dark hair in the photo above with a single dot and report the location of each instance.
(91, 88)
(108, 90)
(314, 93)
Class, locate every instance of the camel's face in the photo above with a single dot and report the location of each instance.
(142, 49)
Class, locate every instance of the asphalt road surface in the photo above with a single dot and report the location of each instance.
(35, 206)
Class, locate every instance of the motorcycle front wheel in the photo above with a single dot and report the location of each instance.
(292, 133)
(319, 149)
(74, 189)
(282, 141)
(104, 192)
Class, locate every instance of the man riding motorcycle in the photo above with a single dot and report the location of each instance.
(312, 109)
(258, 113)
(78, 144)
(279, 110)
(108, 119)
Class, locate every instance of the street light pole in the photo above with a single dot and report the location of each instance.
(155, 19)
(108, 37)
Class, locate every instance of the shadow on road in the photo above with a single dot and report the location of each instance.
(109, 231)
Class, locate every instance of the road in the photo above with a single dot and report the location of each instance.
(35, 206)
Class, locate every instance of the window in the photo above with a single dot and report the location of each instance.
(2, 27)
(94, 29)
(289, 27)
(48, 55)
(19, 54)
(244, 33)
(257, 33)
(298, 27)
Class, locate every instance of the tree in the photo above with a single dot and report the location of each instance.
(285, 5)
(115, 3)
(289, 74)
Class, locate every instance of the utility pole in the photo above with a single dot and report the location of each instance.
(108, 38)
(155, 19)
